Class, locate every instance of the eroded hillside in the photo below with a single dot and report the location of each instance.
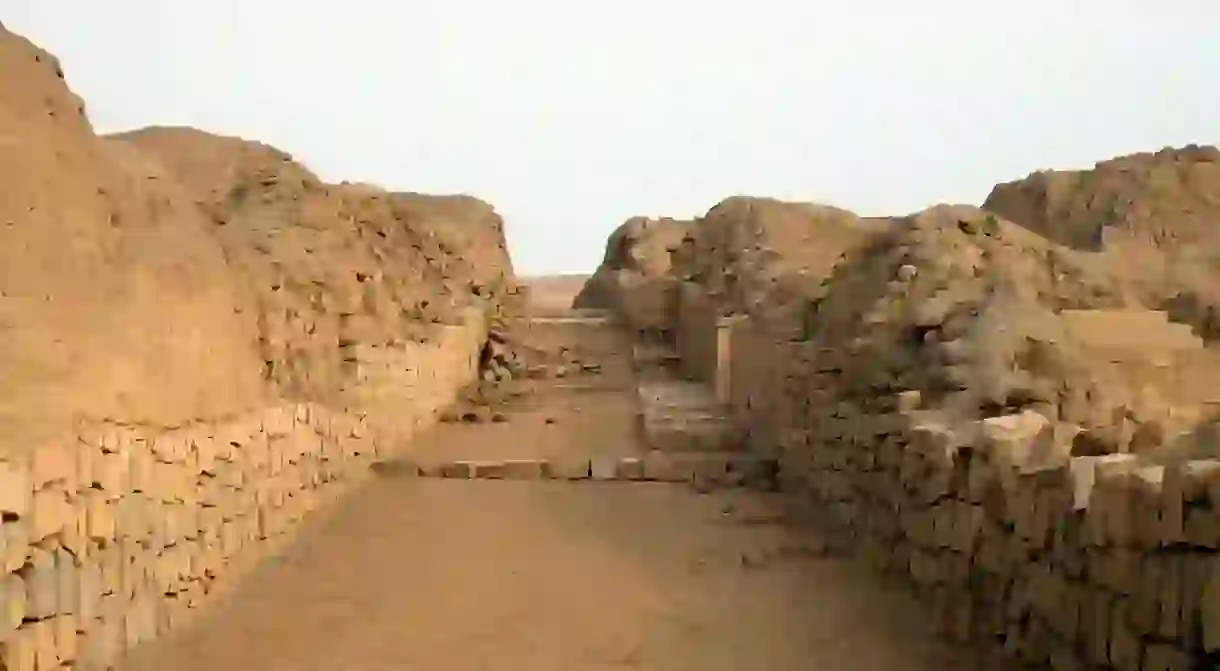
(329, 267)
(167, 274)
(116, 299)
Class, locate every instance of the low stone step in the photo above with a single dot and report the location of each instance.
(709, 469)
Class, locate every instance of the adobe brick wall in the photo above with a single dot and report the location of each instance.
(116, 534)
(1071, 562)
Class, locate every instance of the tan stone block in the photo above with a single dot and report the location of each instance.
(1096, 625)
(1146, 600)
(140, 621)
(12, 603)
(101, 645)
(569, 468)
(89, 590)
(64, 629)
(50, 513)
(133, 572)
(67, 578)
(1166, 657)
(111, 471)
(134, 522)
(45, 654)
(171, 447)
(526, 469)
(1171, 597)
(1125, 646)
(20, 650)
(110, 564)
(629, 468)
(16, 489)
(14, 545)
(55, 462)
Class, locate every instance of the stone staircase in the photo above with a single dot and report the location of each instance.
(677, 414)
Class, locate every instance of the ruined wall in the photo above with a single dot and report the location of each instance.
(637, 278)
(1005, 422)
(115, 533)
(203, 342)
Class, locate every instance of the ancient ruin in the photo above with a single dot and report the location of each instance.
(1010, 408)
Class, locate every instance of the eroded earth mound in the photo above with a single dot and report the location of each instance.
(167, 274)
(116, 299)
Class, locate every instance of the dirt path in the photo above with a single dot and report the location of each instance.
(447, 575)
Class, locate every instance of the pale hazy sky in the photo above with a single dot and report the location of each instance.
(572, 116)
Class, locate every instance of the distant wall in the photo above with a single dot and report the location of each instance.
(115, 534)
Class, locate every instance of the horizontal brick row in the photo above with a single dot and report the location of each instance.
(704, 469)
(116, 534)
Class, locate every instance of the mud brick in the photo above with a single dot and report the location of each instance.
(231, 476)
(1147, 501)
(140, 472)
(486, 469)
(603, 468)
(41, 583)
(55, 462)
(133, 571)
(526, 469)
(1184, 484)
(170, 447)
(1166, 657)
(456, 469)
(569, 468)
(110, 563)
(1171, 597)
(170, 482)
(64, 629)
(101, 645)
(14, 545)
(49, 514)
(1068, 620)
(202, 454)
(1146, 598)
(111, 471)
(140, 621)
(1196, 570)
(1202, 527)
(629, 468)
(664, 467)
(100, 515)
(1063, 657)
(16, 489)
(43, 633)
(20, 650)
(1125, 648)
(89, 590)
(134, 518)
(278, 421)
(67, 578)
(12, 603)
(1096, 624)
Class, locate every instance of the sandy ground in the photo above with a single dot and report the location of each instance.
(451, 575)
(443, 575)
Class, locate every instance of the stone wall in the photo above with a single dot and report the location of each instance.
(117, 533)
(1047, 558)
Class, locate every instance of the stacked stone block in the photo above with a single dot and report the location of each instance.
(1062, 562)
(116, 534)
